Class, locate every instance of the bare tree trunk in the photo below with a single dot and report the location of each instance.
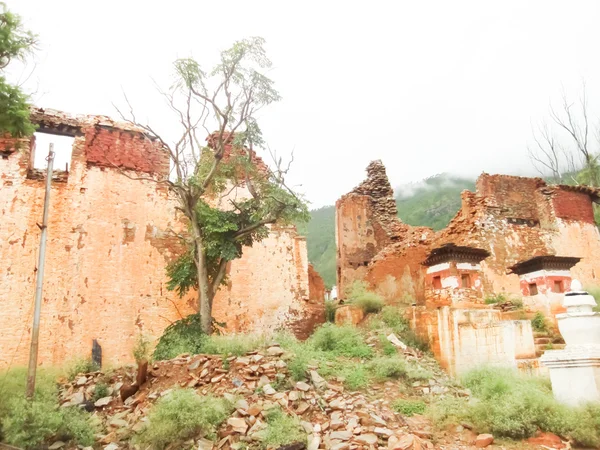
(204, 289)
(204, 297)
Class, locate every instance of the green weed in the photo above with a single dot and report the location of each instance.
(409, 407)
(361, 296)
(180, 415)
(538, 323)
(281, 429)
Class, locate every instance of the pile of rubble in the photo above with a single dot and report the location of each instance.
(332, 416)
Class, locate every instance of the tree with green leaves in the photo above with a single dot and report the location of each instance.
(227, 194)
(15, 44)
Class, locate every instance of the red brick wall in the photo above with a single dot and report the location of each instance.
(573, 206)
(107, 249)
(124, 149)
(512, 194)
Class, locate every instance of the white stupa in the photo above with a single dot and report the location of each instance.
(575, 370)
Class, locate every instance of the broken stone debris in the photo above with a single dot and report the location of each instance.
(332, 417)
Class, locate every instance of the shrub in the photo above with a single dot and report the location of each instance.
(141, 350)
(330, 308)
(29, 423)
(81, 366)
(496, 298)
(409, 407)
(180, 415)
(100, 391)
(387, 347)
(232, 344)
(281, 430)
(388, 367)
(368, 301)
(182, 336)
(393, 318)
(511, 405)
(340, 340)
(538, 323)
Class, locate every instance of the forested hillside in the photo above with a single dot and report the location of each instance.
(431, 203)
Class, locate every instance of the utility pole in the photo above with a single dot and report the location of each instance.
(35, 331)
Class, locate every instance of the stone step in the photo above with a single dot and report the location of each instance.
(542, 340)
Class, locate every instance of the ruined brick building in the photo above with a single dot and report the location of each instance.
(513, 235)
(108, 245)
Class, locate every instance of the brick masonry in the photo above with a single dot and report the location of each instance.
(108, 244)
(513, 218)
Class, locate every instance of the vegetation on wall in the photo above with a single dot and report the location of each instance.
(16, 43)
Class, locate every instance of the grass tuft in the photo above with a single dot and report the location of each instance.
(409, 407)
(538, 323)
(361, 296)
(29, 424)
(281, 429)
(508, 404)
(181, 415)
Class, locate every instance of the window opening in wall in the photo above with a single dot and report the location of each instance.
(63, 148)
(437, 282)
(558, 286)
(533, 289)
(465, 280)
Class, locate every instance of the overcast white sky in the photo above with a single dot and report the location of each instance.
(428, 87)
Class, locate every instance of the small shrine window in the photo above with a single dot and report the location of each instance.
(533, 290)
(558, 286)
(437, 282)
(465, 280)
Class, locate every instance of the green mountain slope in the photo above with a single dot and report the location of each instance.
(320, 241)
(431, 203)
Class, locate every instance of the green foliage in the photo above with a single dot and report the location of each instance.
(502, 297)
(538, 323)
(186, 336)
(281, 429)
(594, 291)
(100, 391)
(355, 377)
(340, 340)
(15, 43)
(433, 201)
(396, 367)
(236, 345)
(330, 308)
(388, 367)
(508, 404)
(392, 320)
(182, 336)
(203, 174)
(81, 366)
(31, 423)
(27, 424)
(141, 350)
(409, 407)
(496, 298)
(368, 301)
(181, 415)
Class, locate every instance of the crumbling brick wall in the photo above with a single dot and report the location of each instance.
(518, 218)
(108, 244)
(374, 245)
